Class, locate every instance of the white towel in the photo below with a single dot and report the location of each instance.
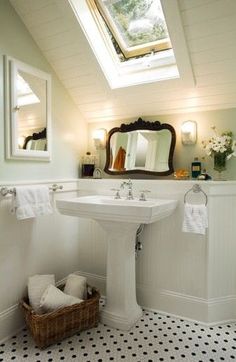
(195, 219)
(37, 284)
(53, 298)
(76, 286)
(31, 201)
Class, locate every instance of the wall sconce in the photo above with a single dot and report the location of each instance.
(99, 138)
(189, 132)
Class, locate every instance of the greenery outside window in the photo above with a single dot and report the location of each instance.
(138, 26)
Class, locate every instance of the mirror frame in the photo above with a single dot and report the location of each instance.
(140, 124)
(11, 66)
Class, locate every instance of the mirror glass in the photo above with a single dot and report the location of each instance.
(32, 118)
(28, 110)
(141, 147)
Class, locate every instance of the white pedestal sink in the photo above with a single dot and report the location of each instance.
(120, 219)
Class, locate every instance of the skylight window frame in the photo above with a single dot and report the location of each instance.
(177, 71)
(102, 16)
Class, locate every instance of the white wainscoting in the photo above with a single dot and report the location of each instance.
(45, 245)
(183, 274)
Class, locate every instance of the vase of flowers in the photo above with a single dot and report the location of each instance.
(220, 161)
(221, 147)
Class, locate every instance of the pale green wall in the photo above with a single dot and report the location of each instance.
(69, 131)
(222, 119)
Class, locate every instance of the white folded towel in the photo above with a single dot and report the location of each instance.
(76, 286)
(31, 201)
(37, 284)
(53, 299)
(195, 219)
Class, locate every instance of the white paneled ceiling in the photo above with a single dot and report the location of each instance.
(210, 30)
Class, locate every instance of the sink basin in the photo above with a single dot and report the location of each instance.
(101, 207)
(120, 218)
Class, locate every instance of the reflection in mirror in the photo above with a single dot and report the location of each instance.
(27, 111)
(38, 141)
(141, 147)
(31, 100)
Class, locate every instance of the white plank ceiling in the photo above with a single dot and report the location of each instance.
(210, 30)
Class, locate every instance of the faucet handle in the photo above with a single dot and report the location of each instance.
(117, 194)
(122, 185)
(142, 196)
(126, 183)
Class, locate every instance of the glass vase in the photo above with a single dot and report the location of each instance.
(219, 164)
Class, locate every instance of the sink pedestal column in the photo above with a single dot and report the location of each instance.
(121, 310)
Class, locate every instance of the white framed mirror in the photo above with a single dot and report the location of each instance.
(27, 111)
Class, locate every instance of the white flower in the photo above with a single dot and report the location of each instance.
(220, 144)
(222, 149)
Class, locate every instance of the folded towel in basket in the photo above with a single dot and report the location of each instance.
(76, 286)
(37, 285)
(53, 299)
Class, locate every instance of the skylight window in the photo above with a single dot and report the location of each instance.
(138, 26)
(131, 41)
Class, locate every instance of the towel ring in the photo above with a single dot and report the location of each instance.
(196, 188)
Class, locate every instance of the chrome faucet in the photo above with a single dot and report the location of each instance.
(130, 189)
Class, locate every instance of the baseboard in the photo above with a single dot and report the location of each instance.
(11, 321)
(95, 280)
(211, 324)
(207, 312)
(222, 309)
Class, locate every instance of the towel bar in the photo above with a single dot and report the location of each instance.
(196, 188)
(4, 191)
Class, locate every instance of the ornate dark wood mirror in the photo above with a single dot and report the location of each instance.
(140, 147)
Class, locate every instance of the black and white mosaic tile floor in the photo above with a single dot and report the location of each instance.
(154, 338)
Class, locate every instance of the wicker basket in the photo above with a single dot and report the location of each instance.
(52, 327)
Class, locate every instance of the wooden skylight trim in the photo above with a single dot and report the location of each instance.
(101, 16)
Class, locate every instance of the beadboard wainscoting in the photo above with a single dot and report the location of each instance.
(178, 273)
(44, 245)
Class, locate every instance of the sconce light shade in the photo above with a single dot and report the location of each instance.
(189, 132)
(99, 137)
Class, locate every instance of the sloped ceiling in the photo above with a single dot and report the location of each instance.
(210, 30)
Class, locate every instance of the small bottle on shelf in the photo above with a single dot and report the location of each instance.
(196, 168)
(88, 165)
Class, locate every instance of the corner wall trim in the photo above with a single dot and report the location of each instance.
(11, 321)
